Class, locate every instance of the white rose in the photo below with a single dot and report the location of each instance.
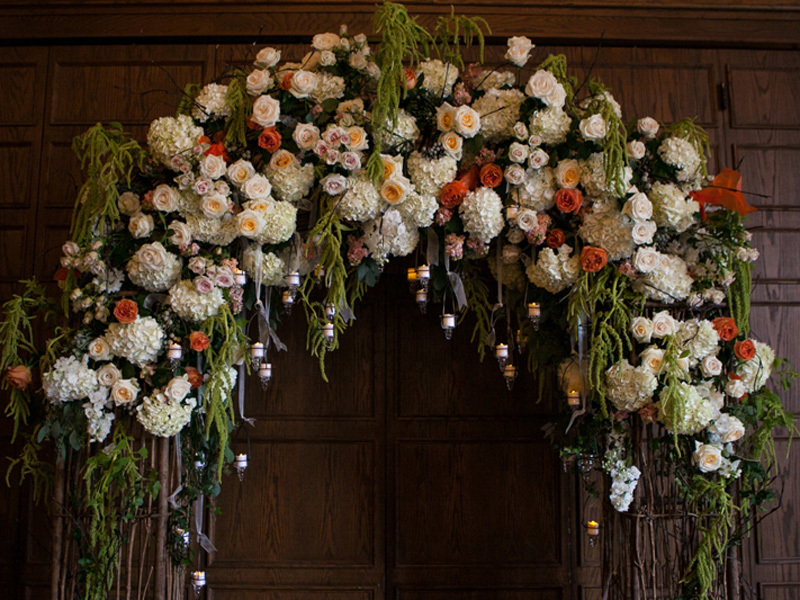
(214, 205)
(99, 349)
(268, 57)
(177, 388)
(305, 136)
(240, 171)
(515, 174)
(557, 98)
(636, 149)
(467, 121)
(445, 117)
(258, 82)
(568, 173)
(526, 219)
(521, 131)
(652, 359)
(124, 391)
(646, 259)
(327, 58)
(664, 324)
(249, 224)
(642, 329)
(181, 234)
(335, 184)
(593, 128)
(108, 375)
(203, 185)
(212, 166)
(642, 233)
(303, 83)
(452, 143)
(517, 152)
(153, 256)
(165, 198)
(711, 366)
(141, 225)
(129, 204)
(541, 84)
(373, 70)
(358, 60)
(648, 127)
(538, 159)
(518, 55)
(282, 159)
(735, 388)
(728, 428)
(325, 41)
(257, 187)
(266, 111)
(708, 458)
(350, 160)
(638, 207)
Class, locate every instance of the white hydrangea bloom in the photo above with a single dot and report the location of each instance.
(419, 209)
(163, 417)
(623, 484)
(431, 175)
(98, 419)
(700, 338)
(153, 268)
(439, 77)
(629, 388)
(671, 208)
(499, 110)
(550, 124)
(682, 155)
(482, 214)
(669, 281)
(390, 235)
(140, 342)
(537, 189)
(210, 103)
(328, 86)
(293, 182)
(273, 269)
(696, 413)
(404, 134)
(220, 232)
(361, 202)
(280, 222)
(171, 136)
(605, 226)
(553, 271)
(69, 379)
(191, 305)
(593, 176)
(757, 370)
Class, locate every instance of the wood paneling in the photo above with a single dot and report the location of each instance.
(479, 594)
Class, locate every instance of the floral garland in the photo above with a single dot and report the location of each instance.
(257, 195)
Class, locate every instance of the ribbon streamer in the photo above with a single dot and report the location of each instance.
(456, 284)
(202, 538)
(152, 299)
(433, 248)
(179, 457)
(241, 386)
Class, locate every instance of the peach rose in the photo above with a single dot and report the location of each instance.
(593, 259)
(453, 194)
(568, 200)
(198, 341)
(19, 377)
(126, 311)
(745, 350)
(410, 78)
(269, 139)
(555, 238)
(568, 173)
(195, 377)
(726, 328)
(491, 175)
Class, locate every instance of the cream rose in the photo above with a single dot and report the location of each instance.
(648, 127)
(394, 190)
(526, 219)
(538, 159)
(249, 224)
(518, 153)
(568, 173)
(141, 225)
(153, 256)
(452, 143)
(636, 149)
(268, 57)
(467, 121)
(642, 329)
(282, 159)
(445, 117)
(642, 233)
(212, 166)
(735, 388)
(327, 58)
(711, 366)
(664, 324)
(214, 206)
(258, 82)
(541, 84)
(593, 128)
(99, 349)
(514, 174)
(266, 111)
(124, 391)
(707, 457)
(165, 198)
(728, 428)
(240, 171)
(178, 388)
(652, 359)
(334, 184)
(305, 135)
(108, 375)
(129, 204)
(358, 138)
(181, 234)
(257, 187)
(638, 207)
(303, 83)
(325, 41)
(646, 259)
(518, 55)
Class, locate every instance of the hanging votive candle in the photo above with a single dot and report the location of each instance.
(522, 339)
(328, 333)
(287, 297)
(239, 276)
(293, 280)
(593, 531)
(198, 582)
(174, 353)
(510, 374)
(501, 354)
(265, 374)
(512, 212)
(573, 399)
(183, 535)
(240, 462)
(330, 311)
(257, 352)
(448, 324)
(422, 300)
(424, 276)
(412, 280)
(534, 314)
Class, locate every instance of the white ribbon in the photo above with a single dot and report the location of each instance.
(172, 498)
(456, 284)
(241, 386)
(202, 538)
(432, 252)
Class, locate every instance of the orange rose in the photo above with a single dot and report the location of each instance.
(726, 328)
(555, 239)
(19, 377)
(286, 82)
(491, 175)
(593, 259)
(452, 194)
(744, 350)
(410, 78)
(126, 311)
(198, 341)
(568, 200)
(195, 377)
(270, 139)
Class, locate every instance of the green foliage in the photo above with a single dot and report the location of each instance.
(739, 294)
(108, 156)
(477, 293)
(241, 106)
(449, 32)
(190, 92)
(32, 465)
(615, 151)
(115, 491)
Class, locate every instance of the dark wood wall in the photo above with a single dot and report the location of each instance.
(413, 474)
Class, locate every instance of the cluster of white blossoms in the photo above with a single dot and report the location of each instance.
(173, 136)
(140, 342)
(536, 190)
(210, 103)
(439, 77)
(69, 379)
(755, 372)
(162, 416)
(430, 175)
(623, 484)
(551, 124)
(695, 413)
(290, 179)
(273, 268)
(664, 277)
(419, 209)
(682, 155)
(554, 271)
(671, 208)
(404, 133)
(191, 304)
(153, 268)
(390, 235)
(482, 214)
(361, 202)
(710, 458)
(593, 176)
(629, 388)
(605, 226)
(499, 110)
(98, 419)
